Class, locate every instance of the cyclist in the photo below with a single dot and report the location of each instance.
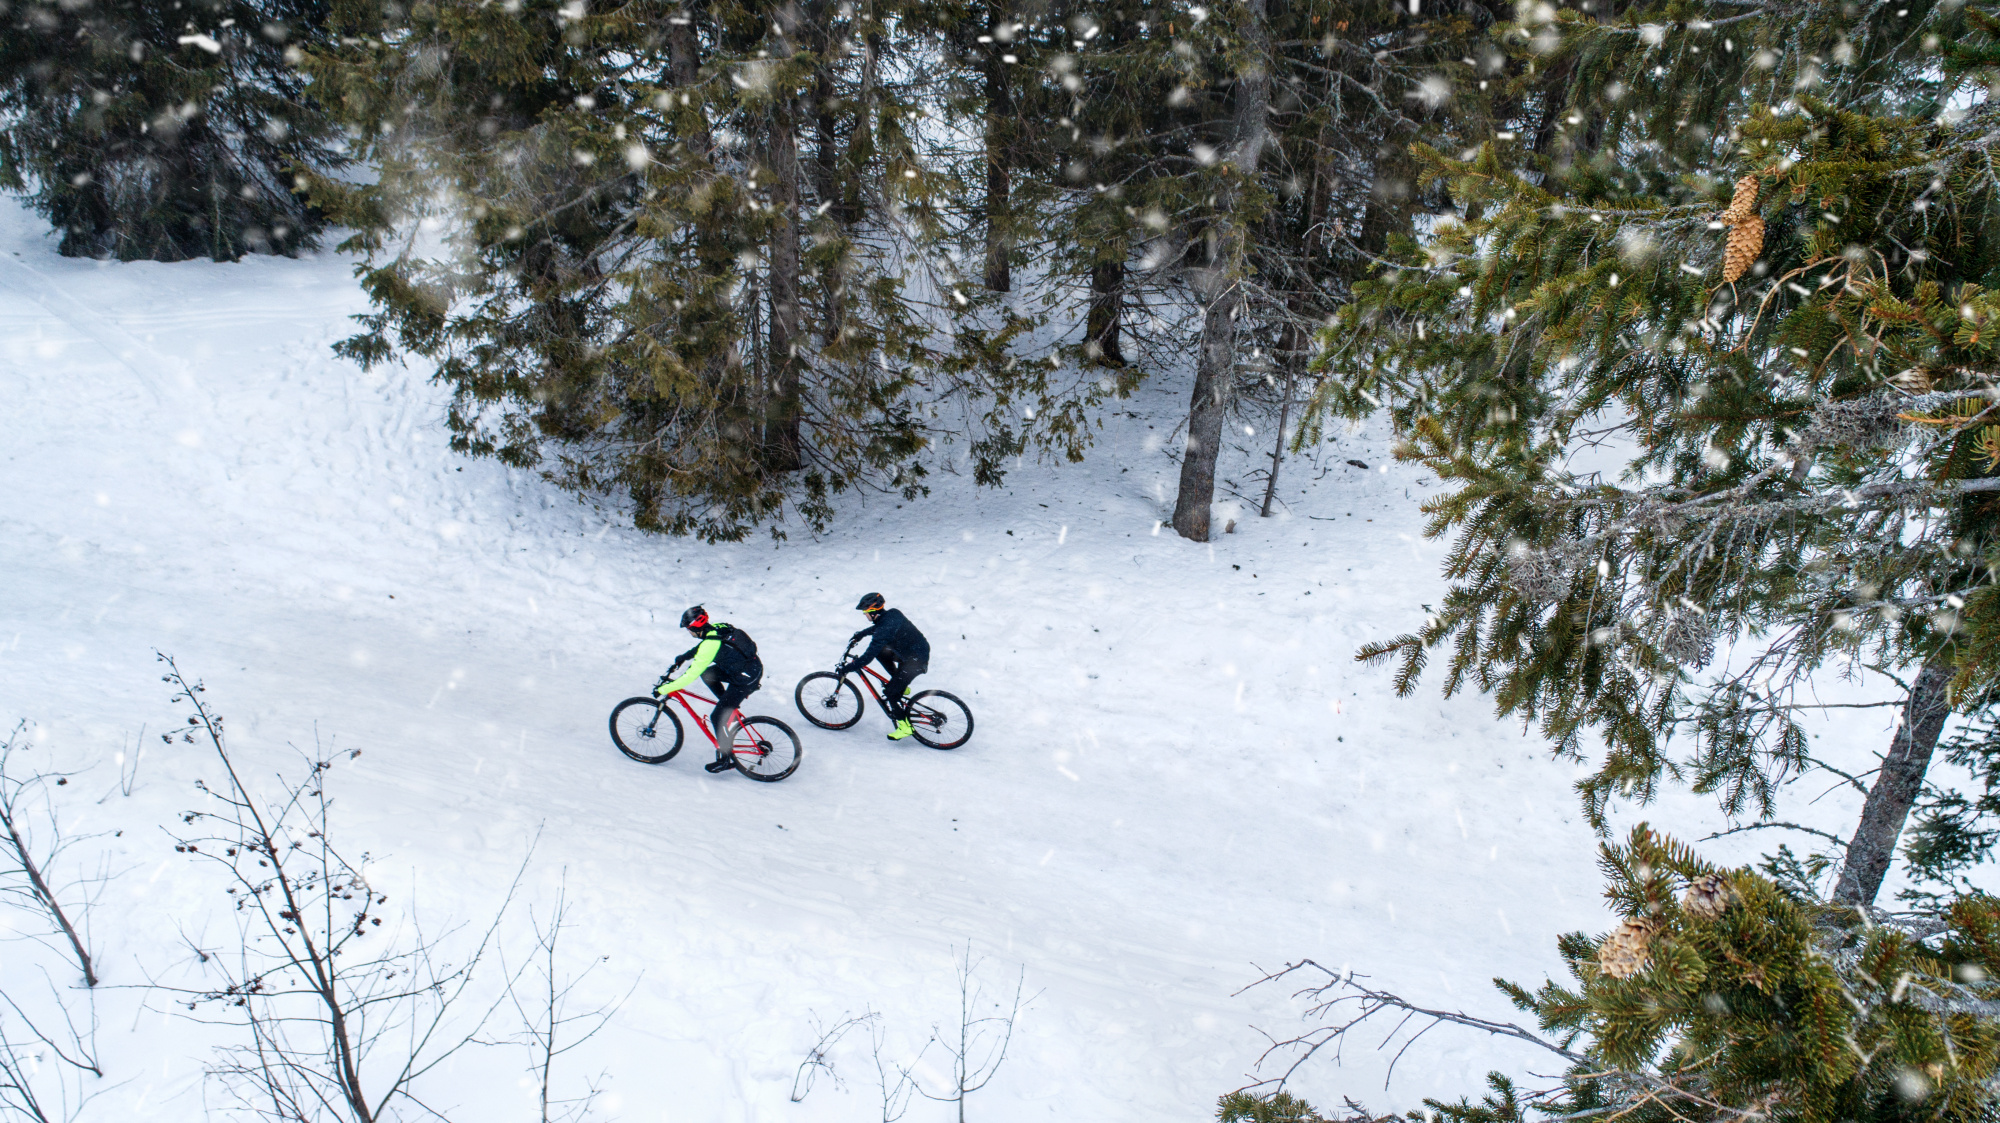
(725, 660)
(902, 650)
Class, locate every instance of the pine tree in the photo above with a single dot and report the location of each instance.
(163, 131)
(1953, 830)
(685, 255)
(1242, 1107)
(978, 64)
(1725, 995)
(1749, 246)
(1228, 163)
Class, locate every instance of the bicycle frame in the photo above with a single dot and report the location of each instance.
(700, 722)
(870, 677)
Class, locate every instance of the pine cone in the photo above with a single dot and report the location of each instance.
(1746, 241)
(1915, 380)
(1707, 896)
(1743, 204)
(1624, 952)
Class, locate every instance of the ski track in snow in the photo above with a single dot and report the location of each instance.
(1179, 772)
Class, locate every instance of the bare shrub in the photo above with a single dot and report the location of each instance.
(541, 993)
(48, 1054)
(976, 1042)
(342, 1016)
(33, 842)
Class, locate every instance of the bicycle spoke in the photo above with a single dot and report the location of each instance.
(765, 749)
(636, 728)
(940, 720)
(828, 701)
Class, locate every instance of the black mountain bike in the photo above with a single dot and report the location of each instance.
(832, 701)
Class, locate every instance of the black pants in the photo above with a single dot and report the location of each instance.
(729, 694)
(902, 671)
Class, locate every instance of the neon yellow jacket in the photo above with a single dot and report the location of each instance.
(704, 656)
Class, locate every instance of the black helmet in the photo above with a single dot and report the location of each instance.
(694, 618)
(871, 603)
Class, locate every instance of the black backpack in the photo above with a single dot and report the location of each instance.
(739, 640)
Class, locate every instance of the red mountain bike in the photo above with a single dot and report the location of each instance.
(831, 701)
(766, 749)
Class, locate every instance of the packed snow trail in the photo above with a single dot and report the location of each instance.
(1179, 774)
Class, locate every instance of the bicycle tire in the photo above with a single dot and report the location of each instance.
(641, 729)
(813, 694)
(774, 752)
(934, 722)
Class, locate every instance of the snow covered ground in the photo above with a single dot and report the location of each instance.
(1179, 777)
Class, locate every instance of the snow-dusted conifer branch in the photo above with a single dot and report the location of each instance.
(198, 154)
(342, 1017)
(1664, 572)
(1807, 449)
(1720, 997)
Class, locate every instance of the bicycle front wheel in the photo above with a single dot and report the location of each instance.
(828, 700)
(940, 720)
(646, 730)
(766, 749)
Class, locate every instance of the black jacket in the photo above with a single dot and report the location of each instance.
(894, 636)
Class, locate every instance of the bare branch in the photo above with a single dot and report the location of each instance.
(342, 1019)
(20, 857)
(1772, 825)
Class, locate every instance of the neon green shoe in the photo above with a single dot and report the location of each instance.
(901, 731)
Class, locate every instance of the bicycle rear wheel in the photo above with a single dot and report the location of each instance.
(940, 720)
(766, 749)
(828, 700)
(636, 728)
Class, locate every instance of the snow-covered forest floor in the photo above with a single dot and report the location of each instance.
(1180, 775)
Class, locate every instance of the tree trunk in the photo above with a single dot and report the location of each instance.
(1555, 104)
(1219, 285)
(684, 56)
(1214, 390)
(1291, 356)
(827, 186)
(826, 141)
(1105, 323)
(999, 124)
(1896, 787)
(783, 450)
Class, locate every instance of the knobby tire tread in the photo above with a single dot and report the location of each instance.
(947, 702)
(799, 700)
(666, 714)
(783, 737)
